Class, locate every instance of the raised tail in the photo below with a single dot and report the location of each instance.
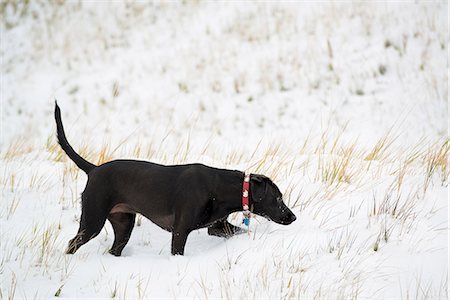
(77, 159)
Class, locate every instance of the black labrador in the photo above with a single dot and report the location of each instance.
(179, 198)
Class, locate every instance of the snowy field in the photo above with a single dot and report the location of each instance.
(344, 106)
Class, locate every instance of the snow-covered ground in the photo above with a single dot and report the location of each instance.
(343, 105)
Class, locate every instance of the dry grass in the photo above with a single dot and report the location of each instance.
(337, 169)
(12, 206)
(436, 161)
(17, 148)
(12, 288)
(380, 149)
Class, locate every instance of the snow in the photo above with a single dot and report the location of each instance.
(287, 89)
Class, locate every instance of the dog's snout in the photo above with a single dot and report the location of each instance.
(290, 218)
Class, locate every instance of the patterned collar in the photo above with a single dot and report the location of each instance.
(245, 202)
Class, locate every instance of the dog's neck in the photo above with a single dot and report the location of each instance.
(233, 201)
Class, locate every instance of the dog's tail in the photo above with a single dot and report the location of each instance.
(77, 159)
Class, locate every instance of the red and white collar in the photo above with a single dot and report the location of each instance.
(245, 196)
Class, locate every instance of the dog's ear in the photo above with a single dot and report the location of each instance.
(259, 178)
(258, 187)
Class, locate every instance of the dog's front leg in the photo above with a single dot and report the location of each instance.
(223, 228)
(179, 237)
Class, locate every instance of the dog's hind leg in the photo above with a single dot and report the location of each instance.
(93, 217)
(223, 228)
(122, 224)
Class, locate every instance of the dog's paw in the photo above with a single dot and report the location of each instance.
(115, 252)
(226, 231)
(72, 247)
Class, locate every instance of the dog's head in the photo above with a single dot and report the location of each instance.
(267, 200)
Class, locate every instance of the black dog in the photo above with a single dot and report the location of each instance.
(178, 198)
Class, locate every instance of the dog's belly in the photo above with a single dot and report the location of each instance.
(165, 221)
(122, 208)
